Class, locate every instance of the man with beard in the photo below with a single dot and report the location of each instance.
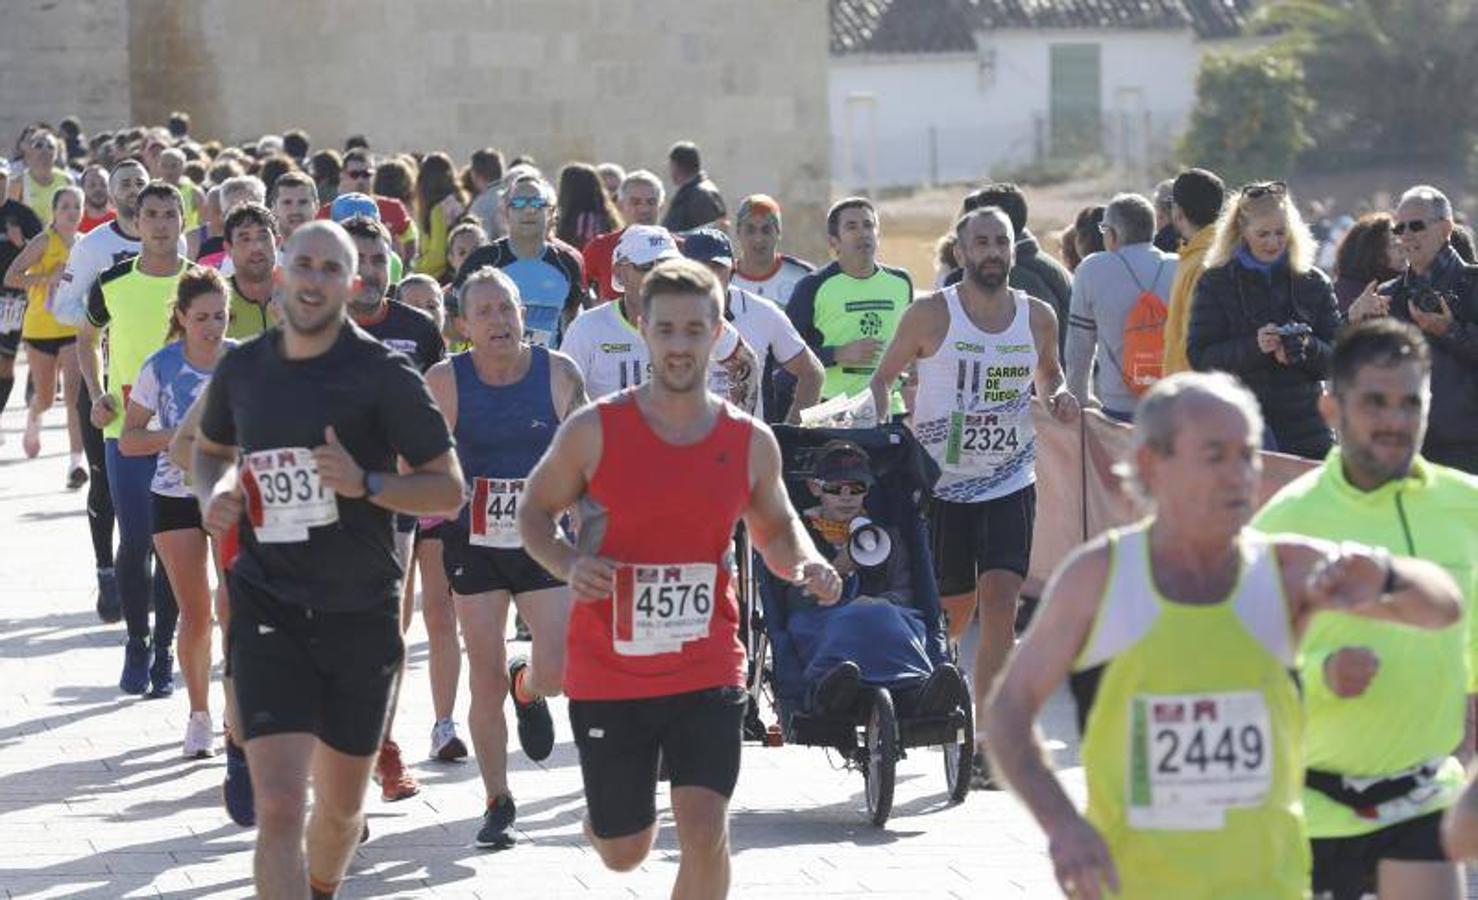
(639, 200)
(97, 206)
(663, 472)
(251, 242)
(1385, 706)
(294, 202)
(319, 415)
(979, 347)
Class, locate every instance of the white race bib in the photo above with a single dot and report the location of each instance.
(12, 311)
(1192, 757)
(284, 495)
(658, 608)
(493, 516)
(980, 440)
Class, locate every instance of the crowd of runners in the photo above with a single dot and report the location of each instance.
(309, 392)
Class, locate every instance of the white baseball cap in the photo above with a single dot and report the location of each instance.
(642, 245)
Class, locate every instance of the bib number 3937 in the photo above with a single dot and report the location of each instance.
(494, 513)
(284, 495)
(1192, 757)
(659, 608)
(980, 438)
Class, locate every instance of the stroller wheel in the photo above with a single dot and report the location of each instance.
(881, 749)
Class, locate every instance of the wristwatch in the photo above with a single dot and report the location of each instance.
(374, 482)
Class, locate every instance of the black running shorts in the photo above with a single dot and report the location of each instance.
(698, 734)
(1345, 868)
(480, 570)
(971, 539)
(175, 513)
(330, 674)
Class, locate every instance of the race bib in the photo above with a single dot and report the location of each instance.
(284, 496)
(494, 513)
(659, 608)
(12, 311)
(980, 439)
(1192, 757)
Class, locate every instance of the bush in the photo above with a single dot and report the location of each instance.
(1248, 120)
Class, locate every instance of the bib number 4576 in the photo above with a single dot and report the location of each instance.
(658, 608)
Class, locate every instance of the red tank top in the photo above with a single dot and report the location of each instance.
(673, 624)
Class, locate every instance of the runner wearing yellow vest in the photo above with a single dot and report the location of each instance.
(1179, 636)
(251, 242)
(1385, 706)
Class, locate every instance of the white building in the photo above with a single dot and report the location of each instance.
(931, 91)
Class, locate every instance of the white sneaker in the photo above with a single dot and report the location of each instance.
(200, 735)
(445, 745)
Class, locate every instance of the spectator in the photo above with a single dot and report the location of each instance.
(483, 184)
(696, 200)
(1368, 252)
(1067, 242)
(1167, 239)
(1462, 242)
(1263, 313)
(1087, 236)
(584, 209)
(439, 204)
(1106, 289)
(611, 176)
(1035, 272)
(1198, 196)
(638, 201)
(1438, 293)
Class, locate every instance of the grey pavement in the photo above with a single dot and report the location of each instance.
(95, 801)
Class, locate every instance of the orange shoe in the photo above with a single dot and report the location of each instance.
(395, 782)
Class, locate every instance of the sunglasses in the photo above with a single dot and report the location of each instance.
(645, 267)
(846, 489)
(1263, 188)
(357, 174)
(527, 203)
(1415, 226)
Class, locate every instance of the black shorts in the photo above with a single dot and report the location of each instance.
(971, 539)
(50, 346)
(175, 513)
(330, 674)
(698, 734)
(478, 570)
(1345, 868)
(10, 342)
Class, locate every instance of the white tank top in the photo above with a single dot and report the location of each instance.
(973, 408)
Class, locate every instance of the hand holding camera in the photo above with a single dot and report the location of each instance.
(1287, 343)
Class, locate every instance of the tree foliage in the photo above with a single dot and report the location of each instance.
(1248, 120)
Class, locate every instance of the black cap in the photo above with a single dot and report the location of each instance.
(843, 461)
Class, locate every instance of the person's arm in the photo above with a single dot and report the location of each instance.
(1217, 337)
(1366, 581)
(90, 361)
(182, 444)
(809, 376)
(569, 387)
(1326, 321)
(1082, 342)
(15, 276)
(137, 439)
(213, 471)
(557, 482)
(69, 303)
(1455, 327)
(441, 381)
(1039, 665)
(921, 327)
(776, 530)
(744, 372)
(1051, 383)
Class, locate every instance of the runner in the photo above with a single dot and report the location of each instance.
(1381, 768)
(98, 209)
(765, 329)
(1178, 636)
(167, 386)
(319, 414)
(251, 243)
(549, 273)
(131, 302)
(761, 268)
(664, 677)
(503, 400)
(605, 343)
(51, 351)
(639, 201)
(412, 333)
(358, 176)
(42, 177)
(294, 202)
(18, 226)
(979, 348)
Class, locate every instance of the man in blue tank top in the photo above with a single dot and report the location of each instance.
(503, 401)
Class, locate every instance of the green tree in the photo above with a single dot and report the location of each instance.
(1248, 120)
(1391, 80)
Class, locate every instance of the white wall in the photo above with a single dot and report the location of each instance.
(989, 111)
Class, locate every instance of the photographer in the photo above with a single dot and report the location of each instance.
(1262, 312)
(1438, 293)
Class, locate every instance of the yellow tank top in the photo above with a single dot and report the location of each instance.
(38, 196)
(39, 323)
(1193, 734)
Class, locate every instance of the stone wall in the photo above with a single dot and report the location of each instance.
(60, 57)
(594, 80)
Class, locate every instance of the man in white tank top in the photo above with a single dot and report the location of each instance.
(978, 349)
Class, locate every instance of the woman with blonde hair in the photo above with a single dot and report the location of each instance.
(1264, 313)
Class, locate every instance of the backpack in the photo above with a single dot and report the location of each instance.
(1143, 361)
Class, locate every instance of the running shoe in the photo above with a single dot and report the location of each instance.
(836, 692)
(110, 606)
(31, 439)
(445, 745)
(497, 824)
(535, 724)
(76, 478)
(236, 790)
(395, 782)
(135, 677)
(161, 674)
(199, 736)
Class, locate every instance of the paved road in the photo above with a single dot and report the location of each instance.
(96, 802)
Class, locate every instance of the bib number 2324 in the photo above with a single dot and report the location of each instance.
(980, 438)
(659, 608)
(284, 495)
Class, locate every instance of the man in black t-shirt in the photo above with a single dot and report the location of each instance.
(298, 445)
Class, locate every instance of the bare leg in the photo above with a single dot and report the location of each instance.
(998, 591)
(484, 620)
(622, 854)
(702, 818)
(71, 382)
(441, 629)
(334, 826)
(547, 613)
(43, 377)
(1404, 880)
(279, 776)
(184, 553)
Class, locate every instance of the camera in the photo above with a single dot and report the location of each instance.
(1295, 339)
(1429, 299)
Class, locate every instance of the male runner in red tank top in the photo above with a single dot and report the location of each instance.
(662, 473)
